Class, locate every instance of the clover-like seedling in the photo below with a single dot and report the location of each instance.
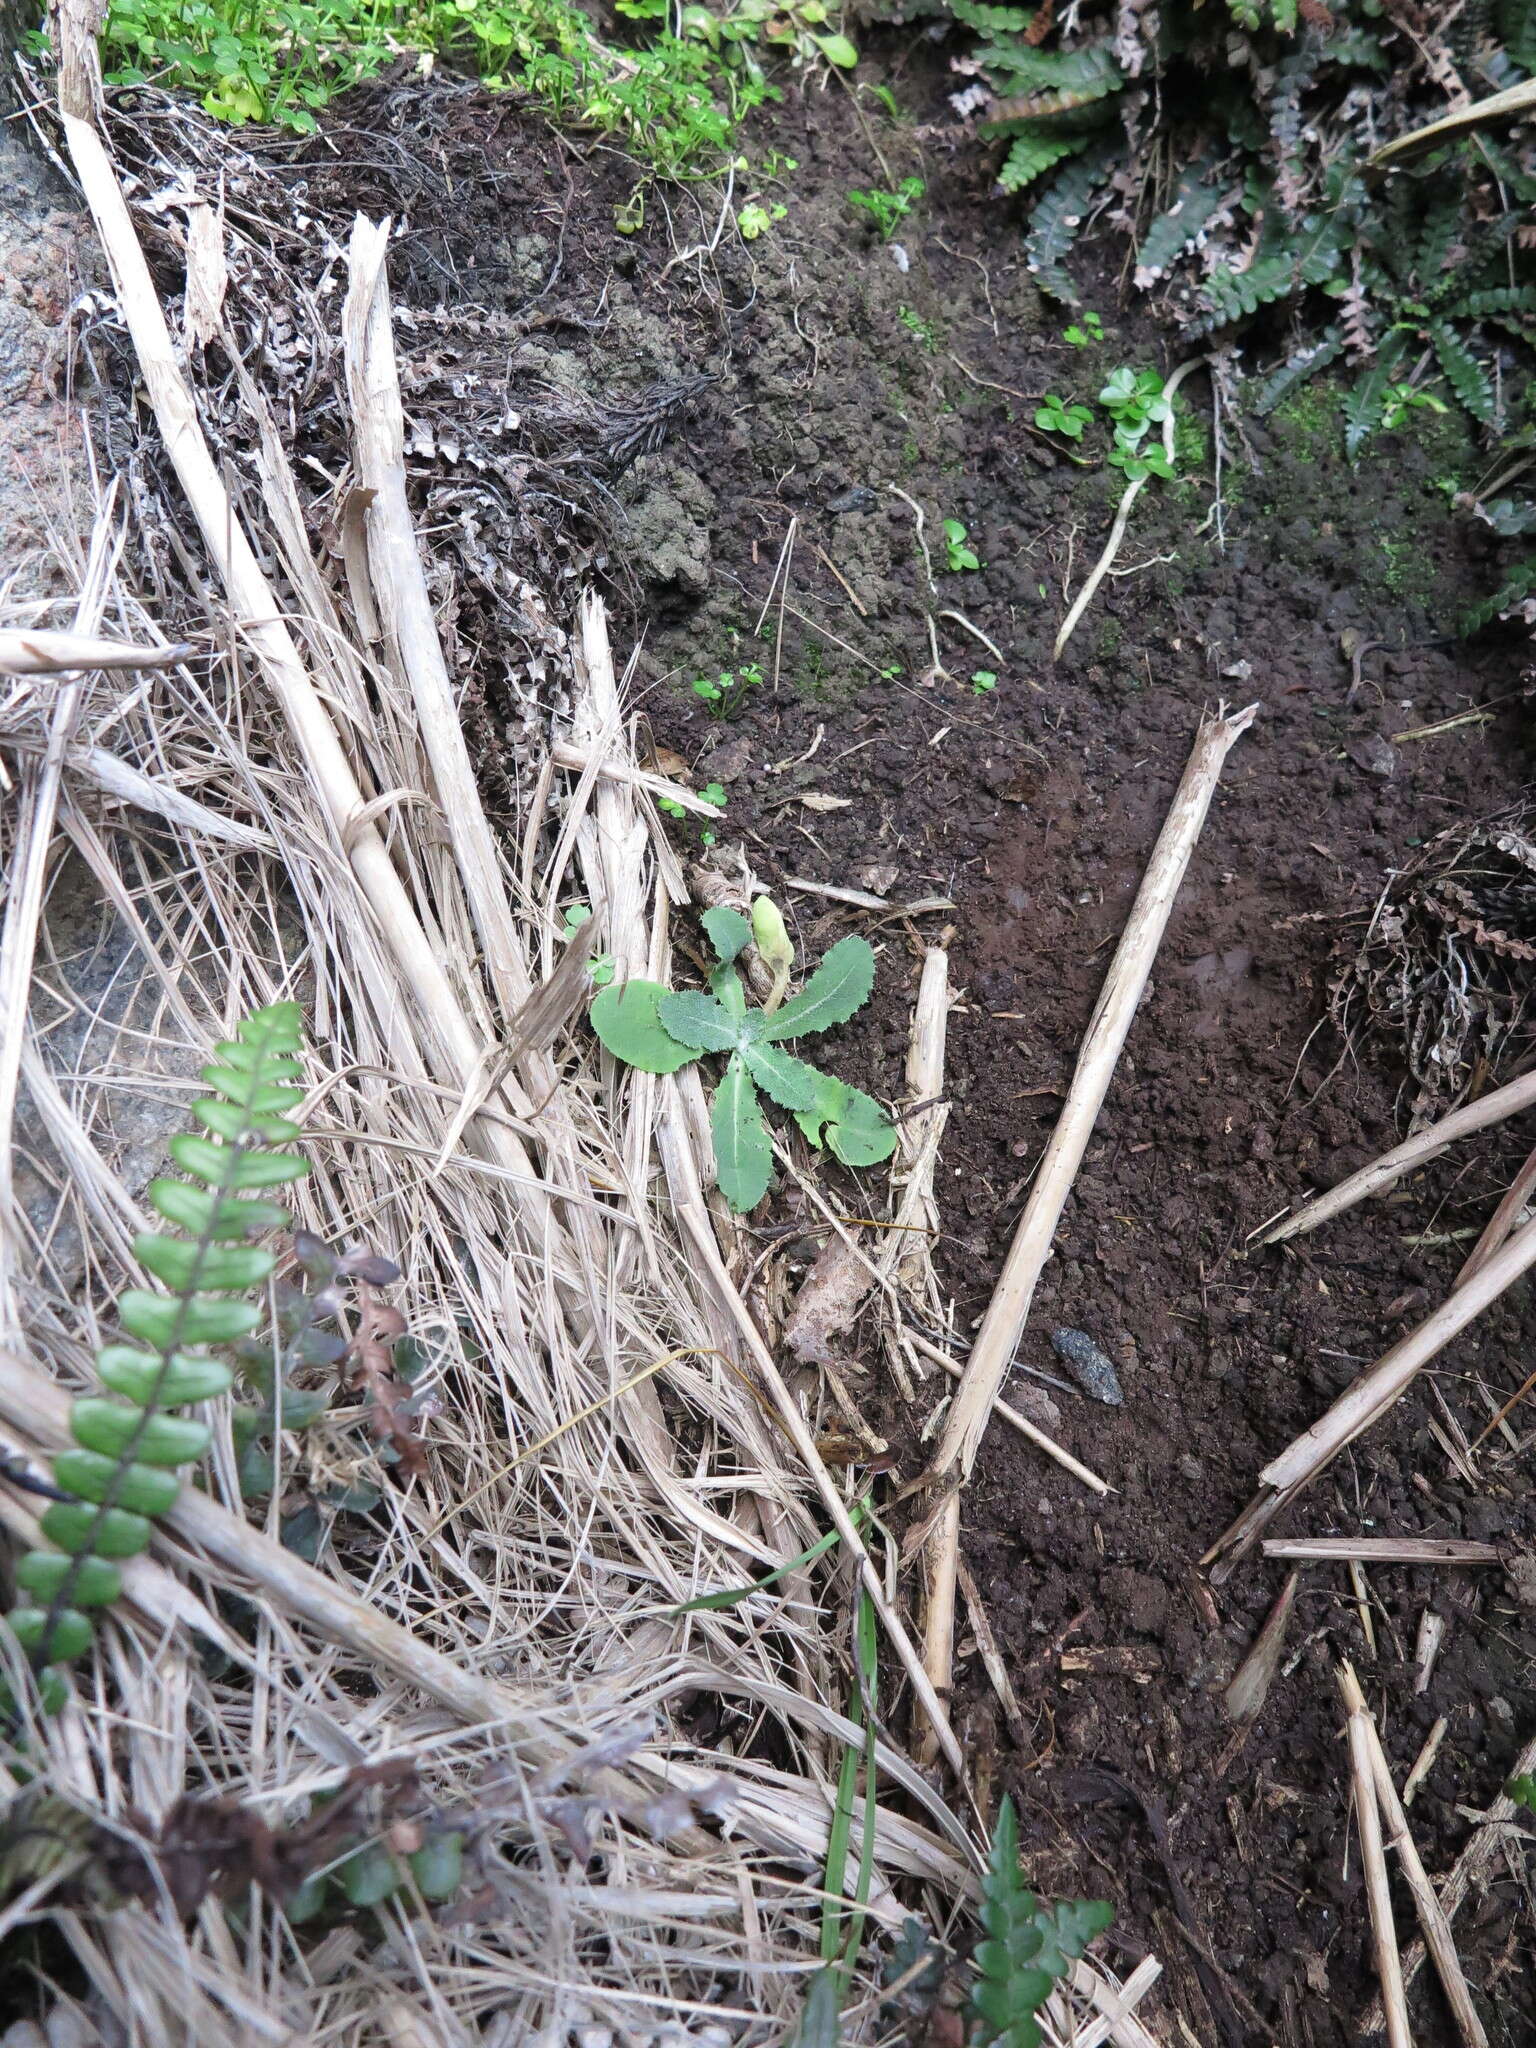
(660, 1030)
(1057, 417)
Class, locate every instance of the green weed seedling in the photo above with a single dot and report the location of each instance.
(1084, 333)
(914, 323)
(1135, 402)
(983, 680)
(887, 210)
(957, 555)
(660, 1030)
(1401, 399)
(726, 693)
(755, 219)
(1057, 417)
(1028, 1949)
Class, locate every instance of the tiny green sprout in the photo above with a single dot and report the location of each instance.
(600, 966)
(887, 210)
(671, 806)
(983, 680)
(754, 219)
(1402, 399)
(916, 324)
(714, 793)
(888, 100)
(725, 693)
(1057, 417)
(958, 555)
(1091, 329)
(890, 675)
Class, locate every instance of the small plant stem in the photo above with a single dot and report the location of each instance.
(917, 514)
(1102, 566)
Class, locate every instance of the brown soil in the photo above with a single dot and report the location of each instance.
(1033, 805)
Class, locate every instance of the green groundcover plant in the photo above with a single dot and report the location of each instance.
(660, 1030)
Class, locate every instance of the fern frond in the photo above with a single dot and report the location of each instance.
(1028, 1947)
(1519, 583)
(1295, 371)
(1467, 377)
(122, 1471)
(1494, 304)
(1366, 404)
(1172, 232)
(1054, 78)
(992, 21)
(1030, 156)
(1058, 217)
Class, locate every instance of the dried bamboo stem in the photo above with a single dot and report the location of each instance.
(998, 1337)
(1368, 1399)
(1500, 1224)
(1423, 1146)
(414, 651)
(42, 652)
(1015, 1420)
(1467, 1871)
(1383, 1549)
(568, 754)
(1436, 1927)
(1374, 1860)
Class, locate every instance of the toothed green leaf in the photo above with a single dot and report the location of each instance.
(743, 1154)
(699, 1020)
(624, 1016)
(229, 1120)
(839, 987)
(1028, 1947)
(861, 1134)
(791, 1083)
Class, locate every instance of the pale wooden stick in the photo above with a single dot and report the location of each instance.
(1374, 1862)
(1432, 1919)
(568, 754)
(1423, 1146)
(411, 642)
(1424, 1762)
(992, 1660)
(1383, 1549)
(1500, 1224)
(1368, 1399)
(907, 1259)
(993, 1350)
(998, 1337)
(40, 652)
(1249, 1689)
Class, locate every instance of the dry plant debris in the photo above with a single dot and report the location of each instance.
(511, 1629)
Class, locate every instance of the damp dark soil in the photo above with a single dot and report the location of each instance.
(740, 437)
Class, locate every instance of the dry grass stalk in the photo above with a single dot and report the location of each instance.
(48, 653)
(1383, 1549)
(568, 754)
(1493, 1108)
(1426, 1649)
(998, 1338)
(1394, 1822)
(1373, 1860)
(1424, 1762)
(1368, 1399)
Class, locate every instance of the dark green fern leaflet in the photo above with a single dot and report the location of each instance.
(1028, 1947)
(122, 1470)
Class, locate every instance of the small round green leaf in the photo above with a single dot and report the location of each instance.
(165, 1320)
(438, 1866)
(108, 1427)
(74, 1525)
(142, 1489)
(370, 1876)
(95, 1583)
(68, 1638)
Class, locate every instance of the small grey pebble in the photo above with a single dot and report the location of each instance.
(1088, 1366)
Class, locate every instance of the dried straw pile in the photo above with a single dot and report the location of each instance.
(290, 809)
